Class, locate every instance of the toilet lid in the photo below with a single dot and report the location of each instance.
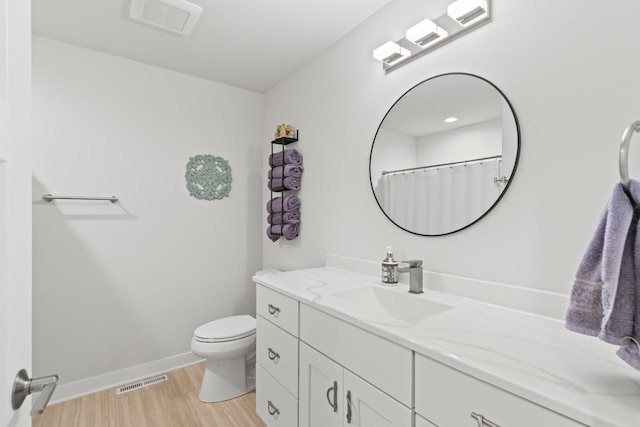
(227, 328)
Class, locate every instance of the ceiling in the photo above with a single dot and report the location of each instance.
(423, 110)
(250, 44)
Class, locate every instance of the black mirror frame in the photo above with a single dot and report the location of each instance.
(513, 172)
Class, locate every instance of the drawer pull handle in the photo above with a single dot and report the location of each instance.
(273, 310)
(349, 414)
(334, 405)
(482, 421)
(272, 354)
(272, 409)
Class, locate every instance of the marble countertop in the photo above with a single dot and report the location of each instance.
(529, 355)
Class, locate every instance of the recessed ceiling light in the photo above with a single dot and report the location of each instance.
(451, 119)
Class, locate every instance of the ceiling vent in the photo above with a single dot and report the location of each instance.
(176, 16)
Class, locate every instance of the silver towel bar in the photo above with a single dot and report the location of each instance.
(624, 153)
(50, 198)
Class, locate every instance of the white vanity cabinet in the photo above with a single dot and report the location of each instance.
(331, 396)
(321, 390)
(277, 358)
(384, 364)
(449, 398)
(335, 356)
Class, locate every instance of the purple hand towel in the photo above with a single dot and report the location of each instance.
(285, 157)
(630, 350)
(292, 217)
(286, 170)
(288, 183)
(289, 231)
(288, 204)
(603, 299)
(272, 236)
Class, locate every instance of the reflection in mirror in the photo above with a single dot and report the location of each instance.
(444, 154)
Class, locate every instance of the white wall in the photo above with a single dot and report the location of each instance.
(574, 91)
(394, 150)
(475, 141)
(116, 287)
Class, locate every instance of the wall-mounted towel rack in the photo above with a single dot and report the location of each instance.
(624, 153)
(50, 198)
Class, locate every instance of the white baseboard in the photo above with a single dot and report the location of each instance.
(65, 392)
(536, 301)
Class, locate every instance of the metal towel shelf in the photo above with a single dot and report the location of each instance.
(50, 198)
(624, 153)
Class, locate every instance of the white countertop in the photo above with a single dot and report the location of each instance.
(531, 356)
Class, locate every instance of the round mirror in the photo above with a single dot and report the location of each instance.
(444, 154)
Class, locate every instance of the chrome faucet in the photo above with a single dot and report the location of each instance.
(415, 275)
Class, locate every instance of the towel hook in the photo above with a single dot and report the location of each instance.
(624, 153)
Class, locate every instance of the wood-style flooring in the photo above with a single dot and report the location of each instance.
(173, 403)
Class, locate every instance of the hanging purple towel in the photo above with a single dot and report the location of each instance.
(603, 296)
(289, 203)
(289, 231)
(291, 157)
(292, 217)
(286, 170)
(288, 183)
(272, 236)
(630, 349)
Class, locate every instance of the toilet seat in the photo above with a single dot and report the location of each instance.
(226, 329)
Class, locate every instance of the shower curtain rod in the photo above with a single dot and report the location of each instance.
(443, 165)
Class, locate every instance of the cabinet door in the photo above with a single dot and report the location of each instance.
(450, 398)
(320, 391)
(366, 406)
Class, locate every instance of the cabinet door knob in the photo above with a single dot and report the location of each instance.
(349, 414)
(482, 421)
(333, 404)
(272, 354)
(272, 409)
(273, 309)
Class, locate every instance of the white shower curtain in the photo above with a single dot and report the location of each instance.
(440, 200)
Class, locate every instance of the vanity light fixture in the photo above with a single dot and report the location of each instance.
(451, 119)
(467, 12)
(390, 53)
(425, 33)
(461, 17)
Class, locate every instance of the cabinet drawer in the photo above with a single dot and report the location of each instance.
(382, 363)
(278, 309)
(274, 404)
(437, 383)
(277, 352)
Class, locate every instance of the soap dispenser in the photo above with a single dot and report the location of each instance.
(389, 269)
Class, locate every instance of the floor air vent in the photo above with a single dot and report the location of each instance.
(141, 384)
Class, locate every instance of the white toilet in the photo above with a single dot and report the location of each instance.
(229, 345)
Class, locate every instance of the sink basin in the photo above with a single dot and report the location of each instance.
(386, 306)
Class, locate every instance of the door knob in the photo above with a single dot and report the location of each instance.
(23, 386)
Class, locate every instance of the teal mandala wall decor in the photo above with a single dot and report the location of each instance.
(208, 177)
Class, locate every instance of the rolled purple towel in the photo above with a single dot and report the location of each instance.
(286, 170)
(286, 204)
(286, 157)
(288, 183)
(271, 235)
(292, 217)
(289, 231)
